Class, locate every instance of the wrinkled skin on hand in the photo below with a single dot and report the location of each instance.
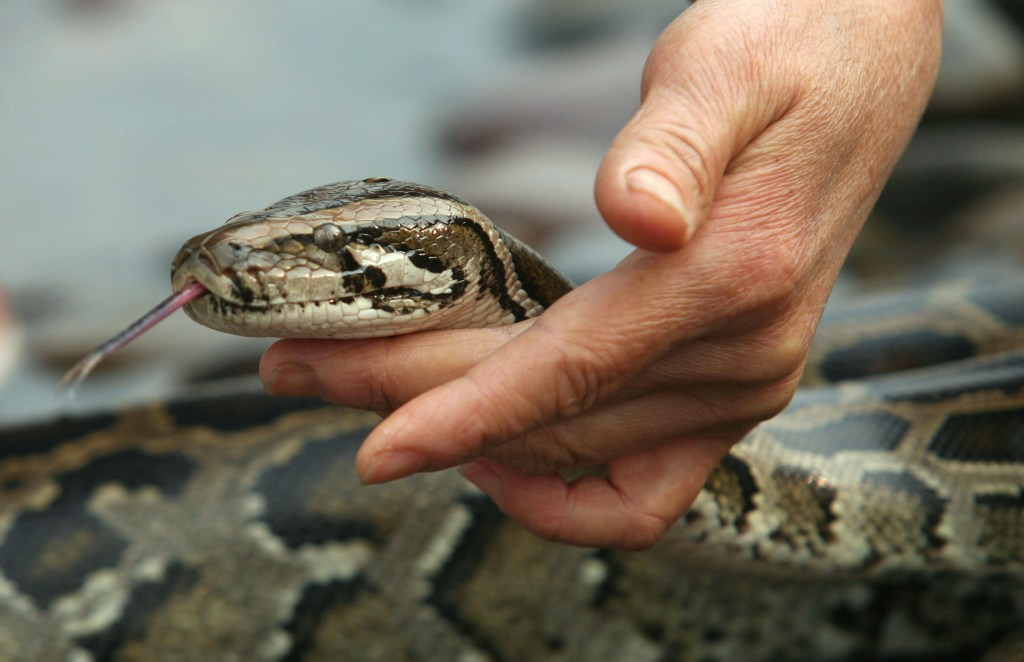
(766, 132)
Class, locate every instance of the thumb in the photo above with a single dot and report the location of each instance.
(699, 109)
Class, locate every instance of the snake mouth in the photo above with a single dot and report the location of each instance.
(254, 289)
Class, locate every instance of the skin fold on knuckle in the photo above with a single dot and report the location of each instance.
(577, 522)
(370, 382)
(577, 385)
(755, 404)
(682, 155)
(609, 431)
(585, 365)
(760, 281)
(570, 515)
(542, 451)
(777, 352)
(741, 358)
(714, 407)
(777, 397)
(708, 407)
(384, 391)
(767, 391)
(643, 524)
(545, 520)
(783, 364)
(495, 412)
(502, 401)
(526, 441)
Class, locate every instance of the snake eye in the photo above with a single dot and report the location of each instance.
(328, 237)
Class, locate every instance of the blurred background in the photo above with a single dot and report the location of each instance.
(127, 126)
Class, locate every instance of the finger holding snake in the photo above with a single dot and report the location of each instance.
(764, 137)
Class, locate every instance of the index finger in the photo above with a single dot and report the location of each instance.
(378, 374)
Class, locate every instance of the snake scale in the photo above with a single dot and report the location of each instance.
(881, 516)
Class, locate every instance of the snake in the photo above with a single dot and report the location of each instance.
(880, 515)
(355, 259)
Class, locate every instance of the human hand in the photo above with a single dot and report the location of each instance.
(765, 135)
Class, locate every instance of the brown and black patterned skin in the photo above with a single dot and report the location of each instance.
(880, 517)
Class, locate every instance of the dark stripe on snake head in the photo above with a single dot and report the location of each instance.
(375, 276)
(422, 260)
(492, 272)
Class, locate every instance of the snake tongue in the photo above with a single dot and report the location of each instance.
(77, 374)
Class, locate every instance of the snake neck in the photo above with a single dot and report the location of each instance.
(541, 281)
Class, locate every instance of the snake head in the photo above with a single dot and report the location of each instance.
(351, 260)
(358, 259)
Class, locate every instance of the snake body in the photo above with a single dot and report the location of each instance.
(880, 516)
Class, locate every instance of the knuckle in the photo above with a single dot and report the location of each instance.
(539, 452)
(769, 280)
(689, 154)
(384, 390)
(548, 524)
(770, 400)
(502, 412)
(385, 380)
(578, 384)
(783, 359)
(581, 367)
(773, 377)
(382, 379)
(767, 264)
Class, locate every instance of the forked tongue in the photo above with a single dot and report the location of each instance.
(74, 377)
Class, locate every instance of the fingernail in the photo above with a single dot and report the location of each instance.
(654, 184)
(293, 379)
(392, 465)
